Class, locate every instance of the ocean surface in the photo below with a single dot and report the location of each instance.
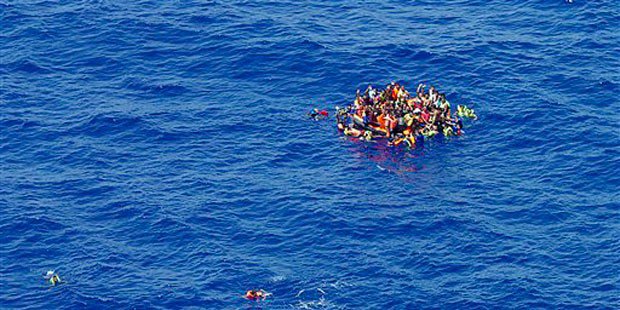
(156, 154)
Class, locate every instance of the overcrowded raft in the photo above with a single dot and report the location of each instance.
(398, 116)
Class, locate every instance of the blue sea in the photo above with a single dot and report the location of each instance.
(157, 155)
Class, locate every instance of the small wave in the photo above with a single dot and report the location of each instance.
(203, 19)
(422, 55)
(95, 62)
(105, 124)
(28, 67)
(156, 88)
(311, 45)
(23, 225)
(608, 85)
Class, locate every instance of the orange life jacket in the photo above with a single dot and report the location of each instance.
(381, 120)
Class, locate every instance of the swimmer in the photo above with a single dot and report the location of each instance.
(464, 111)
(472, 114)
(256, 295)
(396, 141)
(429, 131)
(341, 117)
(410, 140)
(350, 131)
(52, 277)
(318, 115)
(341, 126)
(340, 111)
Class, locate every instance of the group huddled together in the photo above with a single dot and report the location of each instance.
(399, 116)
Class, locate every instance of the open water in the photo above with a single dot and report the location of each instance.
(156, 155)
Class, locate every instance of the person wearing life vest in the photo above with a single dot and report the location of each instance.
(458, 126)
(390, 124)
(464, 111)
(395, 91)
(365, 117)
(52, 277)
(352, 131)
(318, 115)
(424, 116)
(429, 131)
(256, 295)
(381, 120)
(410, 140)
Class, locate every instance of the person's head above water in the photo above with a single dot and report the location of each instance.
(52, 277)
(256, 294)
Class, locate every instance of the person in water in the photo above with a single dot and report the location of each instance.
(464, 111)
(256, 295)
(352, 131)
(52, 277)
(318, 115)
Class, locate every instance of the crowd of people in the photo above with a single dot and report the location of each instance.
(400, 116)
